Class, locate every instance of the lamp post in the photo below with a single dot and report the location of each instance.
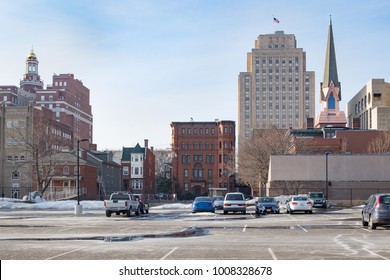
(326, 174)
(78, 207)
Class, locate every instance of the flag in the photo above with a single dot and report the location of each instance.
(276, 20)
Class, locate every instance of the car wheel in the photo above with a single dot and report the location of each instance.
(147, 211)
(244, 212)
(291, 212)
(128, 213)
(371, 224)
(213, 211)
(108, 214)
(225, 212)
(364, 223)
(311, 212)
(137, 212)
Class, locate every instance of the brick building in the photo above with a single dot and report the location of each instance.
(203, 157)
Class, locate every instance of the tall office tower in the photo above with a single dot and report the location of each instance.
(276, 90)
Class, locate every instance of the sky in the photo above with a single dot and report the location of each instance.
(149, 63)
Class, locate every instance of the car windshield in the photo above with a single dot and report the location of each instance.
(385, 199)
(267, 199)
(299, 198)
(216, 198)
(203, 199)
(234, 196)
(120, 196)
(316, 195)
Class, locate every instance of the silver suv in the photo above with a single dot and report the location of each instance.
(234, 202)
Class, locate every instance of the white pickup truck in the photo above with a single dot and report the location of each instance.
(121, 202)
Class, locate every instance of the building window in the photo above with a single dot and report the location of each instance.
(210, 173)
(125, 170)
(15, 175)
(66, 170)
(186, 173)
(183, 131)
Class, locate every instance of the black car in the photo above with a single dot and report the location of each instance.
(270, 204)
(376, 211)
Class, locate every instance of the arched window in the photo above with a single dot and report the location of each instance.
(15, 175)
(66, 170)
(331, 102)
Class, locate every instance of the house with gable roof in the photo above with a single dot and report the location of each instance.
(138, 169)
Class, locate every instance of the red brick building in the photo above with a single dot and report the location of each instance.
(203, 157)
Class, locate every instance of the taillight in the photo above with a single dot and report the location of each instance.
(227, 204)
(309, 202)
(241, 204)
(294, 202)
(126, 203)
(377, 203)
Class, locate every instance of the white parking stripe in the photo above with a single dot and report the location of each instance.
(244, 228)
(54, 257)
(170, 252)
(302, 228)
(272, 254)
(375, 254)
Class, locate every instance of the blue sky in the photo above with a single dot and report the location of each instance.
(150, 62)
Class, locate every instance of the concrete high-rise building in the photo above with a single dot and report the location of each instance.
(276, 90)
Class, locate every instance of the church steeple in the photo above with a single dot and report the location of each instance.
(330, 72)
(31, 79)
(330, 91)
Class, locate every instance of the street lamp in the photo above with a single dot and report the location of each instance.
(326, 174)
(78, 207)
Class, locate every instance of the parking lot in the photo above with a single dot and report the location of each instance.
(163, 234)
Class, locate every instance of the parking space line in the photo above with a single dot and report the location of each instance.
(75, 250)
(303, 228)
(371, 252)
(366, 229)
(170, 252)
(272, 254)
(244, 229)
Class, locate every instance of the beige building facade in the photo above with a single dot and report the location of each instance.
(371, 105)
(276, 90)
(351, 178)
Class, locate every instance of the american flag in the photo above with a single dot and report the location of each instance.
(276, 20)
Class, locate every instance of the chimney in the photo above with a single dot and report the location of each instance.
(146, 141)
(356, 123)
(309, 123)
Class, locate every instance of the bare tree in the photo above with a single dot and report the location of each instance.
(254, 155)
(41, 138)
(380, 144)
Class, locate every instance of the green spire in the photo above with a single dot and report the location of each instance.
(330, 73)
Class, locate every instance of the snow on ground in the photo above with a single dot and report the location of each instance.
(7, 203)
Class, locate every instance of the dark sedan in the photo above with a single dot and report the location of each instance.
(376, 211)
(270, 204)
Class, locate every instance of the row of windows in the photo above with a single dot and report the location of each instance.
(198, 173)
(16, 158)
(206, 131)
(206, 146)
(134, 170)
(209, 158)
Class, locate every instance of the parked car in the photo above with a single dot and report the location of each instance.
(300, 203)
(270, 204)
(203, 204)
(318, 198)
(376, 211)
(218, 202)
(260, 209)
(234, 202)
(143, 204)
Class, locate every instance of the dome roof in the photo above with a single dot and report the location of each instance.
(32, 54)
